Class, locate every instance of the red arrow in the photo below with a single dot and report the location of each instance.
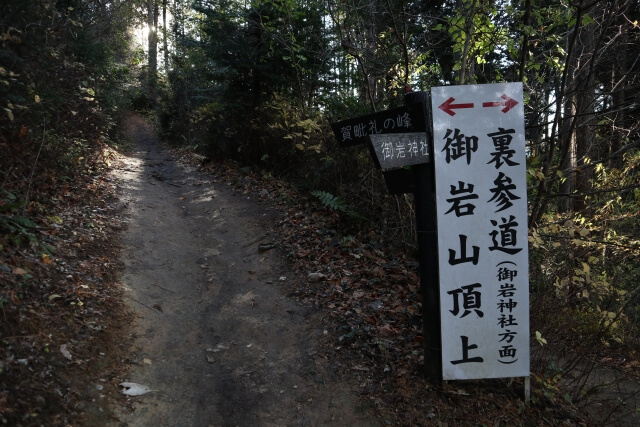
(508, 103)
(448, 106)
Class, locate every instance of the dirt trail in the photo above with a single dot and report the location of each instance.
(214, 337)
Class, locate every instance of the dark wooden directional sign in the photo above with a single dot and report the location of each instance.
(396, 138)
(408, 118)
(397, 150)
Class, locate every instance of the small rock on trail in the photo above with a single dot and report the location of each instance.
(214, 338)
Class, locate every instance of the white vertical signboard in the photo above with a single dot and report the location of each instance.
(479, 155)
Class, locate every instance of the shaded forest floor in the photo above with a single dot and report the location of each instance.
(65, 329)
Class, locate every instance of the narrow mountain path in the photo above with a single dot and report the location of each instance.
(213, 337)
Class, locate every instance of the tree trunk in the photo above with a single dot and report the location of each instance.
(585, 132)
(462, 56)
(152, 23)
(567, 135)
(568, 155)
(165, 36)
(619, 71)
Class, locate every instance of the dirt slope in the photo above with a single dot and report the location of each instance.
(214, 338)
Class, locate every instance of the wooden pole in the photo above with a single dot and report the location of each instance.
(425, 207)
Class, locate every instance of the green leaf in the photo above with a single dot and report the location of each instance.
(22, 221)
(335, 203)
(587, 20)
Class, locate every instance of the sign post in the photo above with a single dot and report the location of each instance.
(426, 228)
(479, 157)
(470, 200)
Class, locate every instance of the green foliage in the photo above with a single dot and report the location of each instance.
(18, 229)
(344, 106)
(477, 40)
(334, 203)
(304, 131)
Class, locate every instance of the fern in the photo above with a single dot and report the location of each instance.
(22, 222)
(335, 203)
(20, 229)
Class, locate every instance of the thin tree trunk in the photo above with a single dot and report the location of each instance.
(619, 70)
(568, 155)
(165, 36)
(152, 23)
(585, 133)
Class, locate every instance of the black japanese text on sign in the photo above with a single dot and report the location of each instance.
(479, 159)
(408, 118)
